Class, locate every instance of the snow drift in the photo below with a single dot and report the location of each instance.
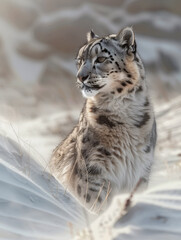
(32, 204)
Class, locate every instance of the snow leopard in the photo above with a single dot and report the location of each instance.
(112, 147)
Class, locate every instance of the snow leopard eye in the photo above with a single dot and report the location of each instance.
(100, 59)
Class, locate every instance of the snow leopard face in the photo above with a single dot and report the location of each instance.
(109, 65)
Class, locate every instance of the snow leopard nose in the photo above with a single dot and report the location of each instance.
(82, 78)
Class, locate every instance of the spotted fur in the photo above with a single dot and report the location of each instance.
(112, 146)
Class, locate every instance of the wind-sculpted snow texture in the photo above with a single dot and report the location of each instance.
(156, 214)
(32, 204)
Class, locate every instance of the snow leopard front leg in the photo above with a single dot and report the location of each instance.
(91, 188)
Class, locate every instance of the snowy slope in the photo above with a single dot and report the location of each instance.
(32, 204)
(155, 214)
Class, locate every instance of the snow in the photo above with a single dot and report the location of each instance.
(33, 205)
(156, 214)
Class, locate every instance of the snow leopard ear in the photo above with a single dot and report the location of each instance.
(91, 35)
(126, 39)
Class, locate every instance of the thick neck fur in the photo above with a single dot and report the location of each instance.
(123, 108)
